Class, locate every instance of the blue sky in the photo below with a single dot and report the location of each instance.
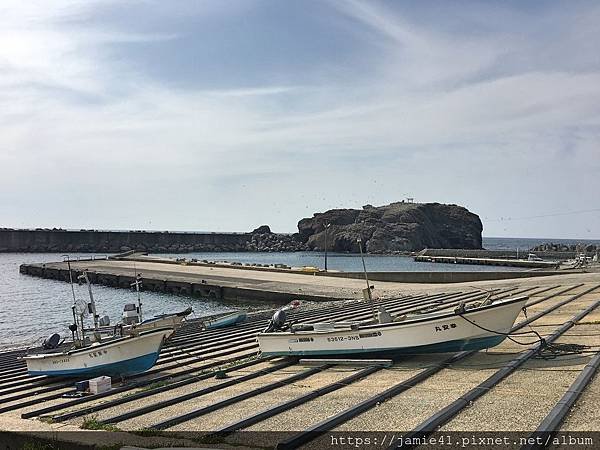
(212, 115)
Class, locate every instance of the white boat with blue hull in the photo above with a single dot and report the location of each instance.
(473, 327)
(115, 357)
(101, 350)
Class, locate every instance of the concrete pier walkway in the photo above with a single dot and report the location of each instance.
(233, 283)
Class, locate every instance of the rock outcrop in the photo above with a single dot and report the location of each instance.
(397, 227)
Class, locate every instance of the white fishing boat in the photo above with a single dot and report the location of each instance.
(473, 327)
(132, 319)
(115, 357)
(96, 351)
(174, 320)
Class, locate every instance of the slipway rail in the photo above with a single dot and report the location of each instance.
(548, 428)
(173, 400)
(230, 401)
(270, 412)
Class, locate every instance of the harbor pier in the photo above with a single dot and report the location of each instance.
(230, 282)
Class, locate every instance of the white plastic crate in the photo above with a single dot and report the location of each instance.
(99, 385)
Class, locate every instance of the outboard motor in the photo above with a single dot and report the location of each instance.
(52, 342)
(277, 322)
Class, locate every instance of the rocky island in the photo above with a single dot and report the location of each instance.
(395, 228)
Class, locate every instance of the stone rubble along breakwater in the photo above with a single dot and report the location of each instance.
(553, 247)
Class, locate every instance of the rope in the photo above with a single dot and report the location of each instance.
(545, 351)
(541, 340)
(552, 351)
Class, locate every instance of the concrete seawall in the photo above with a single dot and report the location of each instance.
(118, 241)
(501, 254)
(442, 277)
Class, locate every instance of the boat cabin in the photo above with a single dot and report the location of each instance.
(131, 314)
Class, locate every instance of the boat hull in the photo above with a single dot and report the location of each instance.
(173, 321)
(439, 333)
(226, 321)
(122, 357)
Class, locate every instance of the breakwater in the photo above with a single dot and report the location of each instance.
(497, 254)
(95, 241)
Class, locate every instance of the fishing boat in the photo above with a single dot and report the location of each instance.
(226, 320)
(468, 327)
(96, 351)
(116, 357)
(132, 319)
(174, 320)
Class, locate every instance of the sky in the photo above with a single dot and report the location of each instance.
(223, 116)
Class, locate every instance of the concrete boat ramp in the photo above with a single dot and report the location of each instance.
(212, 389)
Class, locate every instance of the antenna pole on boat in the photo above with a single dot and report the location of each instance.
(70, 277)
(359, 240)
(92, 302)
(137, 283)
(326, 230)
(68, 259)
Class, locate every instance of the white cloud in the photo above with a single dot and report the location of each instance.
(444, 117)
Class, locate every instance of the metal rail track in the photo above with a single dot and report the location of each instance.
(237, 398)
(175, 385)
(270, 412)
(550, 425)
